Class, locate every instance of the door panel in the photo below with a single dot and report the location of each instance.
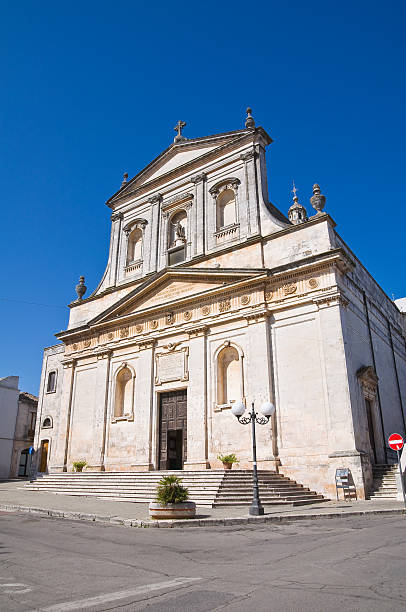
(173, 418)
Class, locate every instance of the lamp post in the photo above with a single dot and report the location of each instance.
(267, 410)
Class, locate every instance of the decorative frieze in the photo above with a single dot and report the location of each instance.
(224, 305)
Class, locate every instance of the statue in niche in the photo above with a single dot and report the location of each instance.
(180, 231)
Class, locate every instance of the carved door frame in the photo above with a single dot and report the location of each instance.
(175, 421)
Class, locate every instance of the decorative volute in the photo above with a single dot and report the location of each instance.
(81, 288)
(297, 213)
(318, 200)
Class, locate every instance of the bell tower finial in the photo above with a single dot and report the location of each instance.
(297, 213)
(249, 122)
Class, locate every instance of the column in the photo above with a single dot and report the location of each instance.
(197, 443)
(251, 204)
(100, 417)
(59, 454)
(199, 214)
(145, 440)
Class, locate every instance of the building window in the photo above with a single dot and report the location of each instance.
(51, 384)
(134, 251)
(47, 423)
(31, 424)
(177, 238)
(124, 394)
(226, 209)
(229, 376)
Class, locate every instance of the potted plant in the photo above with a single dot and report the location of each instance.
(79, 465)
(228, 460)
(171, 500)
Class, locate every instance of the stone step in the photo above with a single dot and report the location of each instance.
(208, 488)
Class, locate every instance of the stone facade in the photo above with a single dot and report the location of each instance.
(211, 291)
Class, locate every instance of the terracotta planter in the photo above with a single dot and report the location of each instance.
(227, 466)
(172, 511)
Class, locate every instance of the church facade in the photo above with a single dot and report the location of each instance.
(212, 296)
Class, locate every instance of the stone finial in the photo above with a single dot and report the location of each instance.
(249, 122)
(318, 200)
(297, 213)
(178, 128)
(81, 288)
(125, 178)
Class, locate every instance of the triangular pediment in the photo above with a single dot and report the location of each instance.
(168, 288)
(179, 155)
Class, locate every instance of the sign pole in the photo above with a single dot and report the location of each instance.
(401, 479)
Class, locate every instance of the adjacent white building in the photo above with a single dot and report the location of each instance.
(18, 412)
(211, 296)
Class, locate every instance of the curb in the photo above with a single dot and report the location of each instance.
(165, 524)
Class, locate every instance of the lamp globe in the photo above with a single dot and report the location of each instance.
(267, 409)
(238, 409)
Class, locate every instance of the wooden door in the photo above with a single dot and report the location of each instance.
(44, 456)
(173, 418)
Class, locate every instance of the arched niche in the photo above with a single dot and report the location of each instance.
(226, 212)
(177, 228)
(134, 249)
(123, 396)
(229, 384)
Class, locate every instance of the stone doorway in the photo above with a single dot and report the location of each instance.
(43, 465)
(371, 430)
(172, 430)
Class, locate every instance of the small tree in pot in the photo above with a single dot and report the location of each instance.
(79, 465)
(228, 460)
(171, 500)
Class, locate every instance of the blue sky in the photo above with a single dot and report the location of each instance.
(93, 89)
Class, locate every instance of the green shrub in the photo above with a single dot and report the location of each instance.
(228, 458)
(170, 491)
(79, 465)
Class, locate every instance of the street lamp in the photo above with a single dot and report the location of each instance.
(267, 409)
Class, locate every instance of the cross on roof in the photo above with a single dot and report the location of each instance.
(294, 191)
(178, 128)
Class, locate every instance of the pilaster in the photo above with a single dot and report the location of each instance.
(250, 193)
(117, 219)
(100, 416)
(58, 459)
(197, 442)
(144, 408)
(199, 181)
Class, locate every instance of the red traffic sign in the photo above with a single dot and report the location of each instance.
(395, 441)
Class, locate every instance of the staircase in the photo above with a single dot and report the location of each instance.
(209, 488)
(384, 485)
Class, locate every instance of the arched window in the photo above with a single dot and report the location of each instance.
(51, 384)
(123, 399)
(134, 251)
(47, 423)
(229, 387)
(177, 238)
(226, 209)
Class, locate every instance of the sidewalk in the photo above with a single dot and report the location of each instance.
(14, 497)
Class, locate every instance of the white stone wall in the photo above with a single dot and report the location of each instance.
(8, 414)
